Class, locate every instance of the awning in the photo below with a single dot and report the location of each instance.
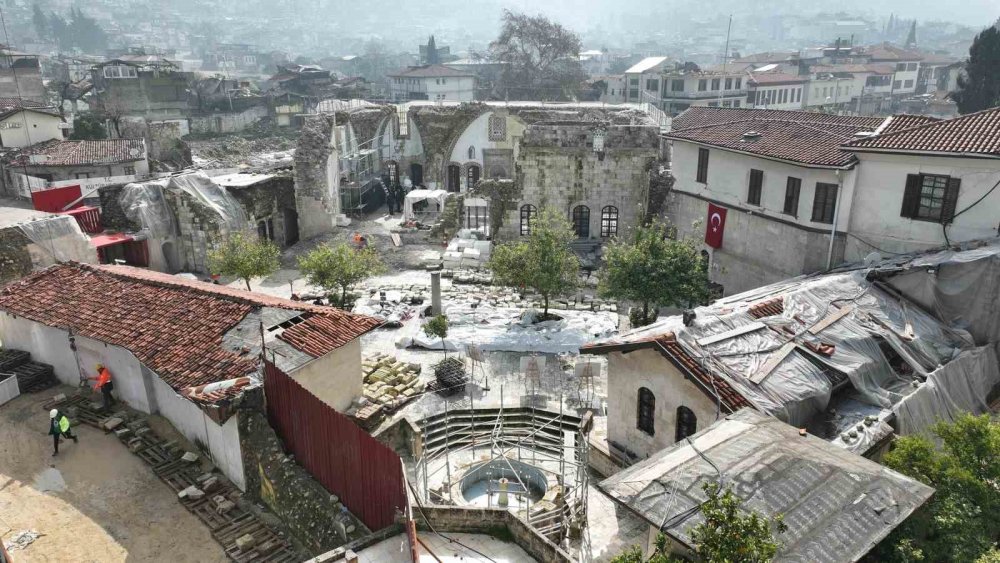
(108, 239)
(416, 196)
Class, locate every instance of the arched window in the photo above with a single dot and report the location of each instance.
(472, 152)
(645, 411)
(609, 221)
(472, 175)
(528, 213)
(687, 423)
(581, 221)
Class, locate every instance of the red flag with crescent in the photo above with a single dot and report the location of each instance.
(716, 224)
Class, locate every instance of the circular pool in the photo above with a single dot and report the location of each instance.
(480, 484)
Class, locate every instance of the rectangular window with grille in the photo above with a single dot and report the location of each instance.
(609, 221)
(930, 197)
(702, 175)
(792, 189)
(756, 187)
(497, 128)
(676, 85)
(824, 203)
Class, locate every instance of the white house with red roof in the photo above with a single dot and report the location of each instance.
(774, 187)
(184, 349)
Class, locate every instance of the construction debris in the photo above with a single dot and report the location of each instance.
(21, 540)
(388, 385)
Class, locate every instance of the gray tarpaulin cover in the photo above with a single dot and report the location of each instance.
(58, 239)
(843, 354)
(146, 204)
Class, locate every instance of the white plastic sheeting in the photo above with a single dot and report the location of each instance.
(959, 387)
(884, 346)
(146, 204)
(57, 239)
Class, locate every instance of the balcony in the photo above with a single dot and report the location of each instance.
(705, 94)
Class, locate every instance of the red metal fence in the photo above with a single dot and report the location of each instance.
(364, 473)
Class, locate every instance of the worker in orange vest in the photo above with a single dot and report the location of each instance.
(105, 384)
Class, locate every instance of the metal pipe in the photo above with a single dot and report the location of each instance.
(836, 216)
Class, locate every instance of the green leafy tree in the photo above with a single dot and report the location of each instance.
(541, 57)
(437, 327)
(655, 270)
(40, 22)
(339, 267)
(728, 534)
(545, 262)
(246, 257)
(961, 522)
(88, 126)
(979, 85)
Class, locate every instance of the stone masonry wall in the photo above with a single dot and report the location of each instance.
(15, 261)
(492, 521)
(112, 214)
(313, 196)
(315, 517)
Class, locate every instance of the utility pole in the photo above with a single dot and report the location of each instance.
(725, 61)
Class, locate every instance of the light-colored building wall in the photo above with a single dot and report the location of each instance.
(26, 128)
(136, 385)
(761, 244)
(476, 137)
(875, 213)
(831, 91)
(778, 96)
(627, 373)
(904, 80)
(334, 378)
(440, 89)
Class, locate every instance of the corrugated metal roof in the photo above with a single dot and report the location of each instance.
(837, 505)
(645, 64)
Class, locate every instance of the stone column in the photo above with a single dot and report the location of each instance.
(436, 293)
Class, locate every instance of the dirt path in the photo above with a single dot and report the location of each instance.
(94, 502)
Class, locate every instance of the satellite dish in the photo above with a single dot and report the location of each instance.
(872, 259)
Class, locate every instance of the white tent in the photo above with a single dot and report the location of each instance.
(423, 205)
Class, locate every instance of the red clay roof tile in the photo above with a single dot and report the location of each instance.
(975, 133)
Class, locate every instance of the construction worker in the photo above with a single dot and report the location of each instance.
(59, 426)
(105, 385)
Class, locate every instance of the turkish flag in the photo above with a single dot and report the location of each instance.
(716, 224)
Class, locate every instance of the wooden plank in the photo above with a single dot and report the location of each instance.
(831, 318)
(738, 331)
(773, 362)
(395, 239)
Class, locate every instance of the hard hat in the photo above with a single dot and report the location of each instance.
(53, 413)
(99, 367)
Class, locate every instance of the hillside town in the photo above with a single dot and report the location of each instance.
(514, 288)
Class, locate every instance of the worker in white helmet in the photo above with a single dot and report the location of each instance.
(59, 426)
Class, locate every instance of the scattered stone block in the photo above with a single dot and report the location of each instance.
(191, 492)
(112, 423)
(134, 445)
(210, 485)
(59, 398)
(122, 433)
(267, 547)
(190, 457)
(246, 542)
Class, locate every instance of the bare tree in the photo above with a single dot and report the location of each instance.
(113, 107)
(541, 58)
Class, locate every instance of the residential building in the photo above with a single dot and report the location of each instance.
(907, 66)
(613, 91)
(926, 186)
(780, 174)
(437, 83)
(142, 88)
(824, 353)
(775, 90)
(235, 58)
(832, 503)
(184, 349)
(26, 122)
(20, 75)
(87, 163)
(693, 87)
(643, 80)
(858, 87)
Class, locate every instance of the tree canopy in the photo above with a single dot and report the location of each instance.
(545, 262)
(729, 534)
(339, 267)
(245, 257)
(541, 57)
(655, 270)
(979, 85)
(89, 127)
(961, 522)
(437, 327)
(78, 32)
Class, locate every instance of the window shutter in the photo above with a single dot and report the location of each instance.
(950, 200)
(911, 196)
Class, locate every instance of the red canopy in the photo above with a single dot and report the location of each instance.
(108, 239)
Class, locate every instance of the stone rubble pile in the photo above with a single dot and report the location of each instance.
(388, 384)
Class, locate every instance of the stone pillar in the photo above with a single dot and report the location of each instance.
(436, 293)
(502, 500)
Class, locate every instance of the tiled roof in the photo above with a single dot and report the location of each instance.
(701, 116)
(430, 71)
(6, 103)
(975, 133)
(76, 153)
(172, 325)
(730, 399)
(874, 68)
(888, 52)
(769, 308)
(814, 144)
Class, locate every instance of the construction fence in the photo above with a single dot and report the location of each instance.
(364, 473)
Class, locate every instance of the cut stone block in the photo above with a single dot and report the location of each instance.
(246, 542)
